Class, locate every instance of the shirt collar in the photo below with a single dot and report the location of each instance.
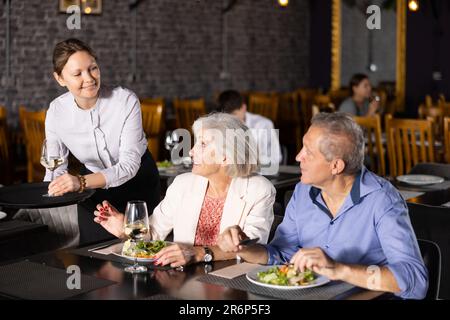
(365, 183)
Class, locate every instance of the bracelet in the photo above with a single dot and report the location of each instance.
(82, 181)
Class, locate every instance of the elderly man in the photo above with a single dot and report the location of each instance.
(343, 221)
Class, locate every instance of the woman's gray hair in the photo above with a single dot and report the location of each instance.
(239, 146)
(343, 139)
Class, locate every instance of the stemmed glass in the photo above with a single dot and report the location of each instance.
(53, 155)
(136, 228)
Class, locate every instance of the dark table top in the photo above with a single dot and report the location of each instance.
(31, 195)
(166, 283)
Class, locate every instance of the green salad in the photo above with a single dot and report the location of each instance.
(142, 249)
(164, 164)
(286, 276)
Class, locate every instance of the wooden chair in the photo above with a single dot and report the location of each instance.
(323, 103)
(375, 150)
(435, 114)
(447, 139)
(338, 96)
(306, 100)
(187, 111)
(289, 120)
(409, 142)
(34, 134)
(152, 113)
(265, 105)
(155, 100)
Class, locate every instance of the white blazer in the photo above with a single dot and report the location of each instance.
(249, 204)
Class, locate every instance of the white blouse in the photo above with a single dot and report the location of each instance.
(108, 138)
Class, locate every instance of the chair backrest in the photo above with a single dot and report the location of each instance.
(152, 123)
(338, 96)
(187, 111)
(156, 100)
(447, 139)
(4, 146)
(409, 142)
(289, 118)
(431, 255)
(436, 115)
(264, 104)
(34, 132)
(306, 100)
(372, 128)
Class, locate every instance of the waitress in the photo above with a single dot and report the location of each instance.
(102, 128)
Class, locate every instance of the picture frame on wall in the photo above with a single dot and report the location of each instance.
(65, 4)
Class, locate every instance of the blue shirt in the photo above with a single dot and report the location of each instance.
(371, 228)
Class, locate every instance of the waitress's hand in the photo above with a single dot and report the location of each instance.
(110, 219)
(64, 184)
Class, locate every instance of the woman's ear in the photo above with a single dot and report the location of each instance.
(59, 79)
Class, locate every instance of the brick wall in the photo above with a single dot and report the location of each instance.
(179, 51)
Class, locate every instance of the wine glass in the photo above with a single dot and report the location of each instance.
(53, 155)
(136, 228)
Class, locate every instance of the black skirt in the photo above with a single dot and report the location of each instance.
(144, 186)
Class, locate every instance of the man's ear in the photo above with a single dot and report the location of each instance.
(337, 166)
(244, 107)
(59, 79)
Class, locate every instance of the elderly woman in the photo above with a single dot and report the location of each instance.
(222, 190)
(343, 221)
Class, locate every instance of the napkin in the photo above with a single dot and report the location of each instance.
(115, 248)
(235, 270)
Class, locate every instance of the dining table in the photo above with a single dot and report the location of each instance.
(103, 278)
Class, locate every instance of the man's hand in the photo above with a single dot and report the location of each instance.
(316, 260)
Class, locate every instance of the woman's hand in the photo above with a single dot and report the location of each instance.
(177, 255)
(64, 184)
(110, 219)
(170, 279)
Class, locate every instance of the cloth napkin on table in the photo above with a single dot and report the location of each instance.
(235, 270)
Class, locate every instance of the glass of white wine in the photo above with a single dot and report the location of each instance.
(53, 155)
(136, 228)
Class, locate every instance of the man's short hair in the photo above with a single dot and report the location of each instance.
(229, 101)
(343, 139)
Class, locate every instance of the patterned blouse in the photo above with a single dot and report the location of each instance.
(208, 226)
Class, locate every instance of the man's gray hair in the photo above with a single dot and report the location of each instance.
(343, 139)
(239, 145)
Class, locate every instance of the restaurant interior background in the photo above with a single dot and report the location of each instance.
(194, 49)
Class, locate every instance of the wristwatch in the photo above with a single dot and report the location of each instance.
(208, 257)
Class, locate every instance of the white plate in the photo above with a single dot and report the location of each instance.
(2, 215)
(420, 179)
(117, 250)
(252, 276)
